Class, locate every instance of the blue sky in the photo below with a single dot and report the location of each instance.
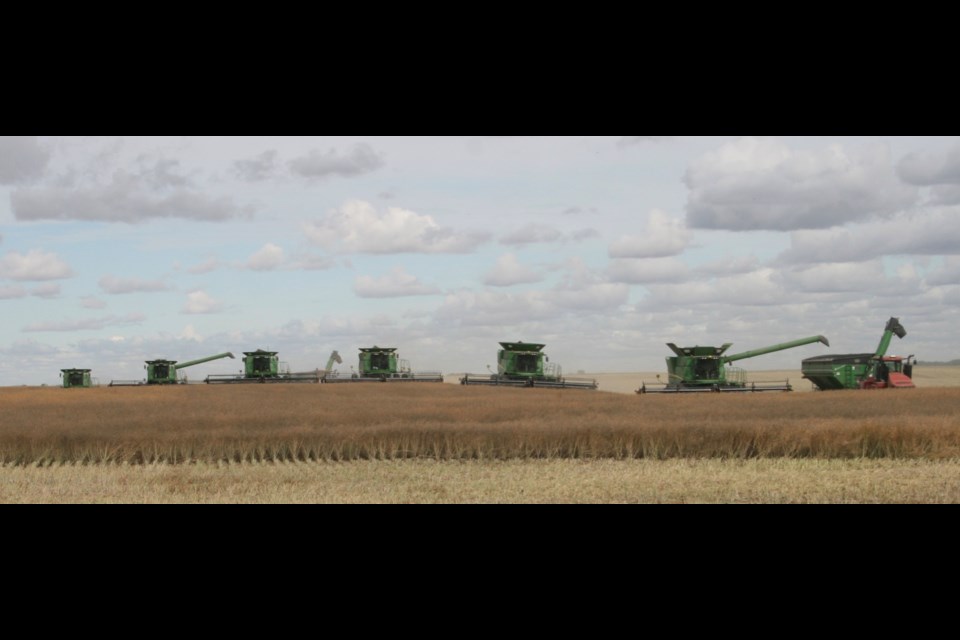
(117, 250)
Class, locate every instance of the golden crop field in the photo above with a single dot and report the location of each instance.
(423, 442)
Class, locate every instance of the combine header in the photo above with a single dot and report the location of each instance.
(263, 366)
(523, 364)
(75, 378)
(700, 369)
(381, 364)
(165, 371)
(863, 370)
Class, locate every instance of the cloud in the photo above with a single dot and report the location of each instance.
(199, 302)
(544, 234)
(88, 324)
(207, 266)
(947, 274)
(647, 270)
(358, 227)
(760, 183)
(113, 285)
(509, 272)
(629, 141)
(928, 168)
(395, 284)
(89, 302)
(664, 236)
(262, 167)
(22, 159)
(47, 290)
(9, 293)
(921, 233)
(35, 265)
(267, 258)
(155, 191)
(532, 234)
(358, 160)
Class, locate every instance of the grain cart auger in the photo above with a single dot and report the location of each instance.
(524, 364)
(381, 364)
(701, 369)
(165, 371)
(263, 366)
(874, 370)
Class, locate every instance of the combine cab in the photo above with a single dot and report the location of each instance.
(262, 367)
(863, 370)
(165, 371)
(523, 364)
(701, 369)
(381, 364)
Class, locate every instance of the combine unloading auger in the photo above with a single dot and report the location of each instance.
(381, 364)
(165, 371)
(523, 364)
(874, 370)
(701, 369)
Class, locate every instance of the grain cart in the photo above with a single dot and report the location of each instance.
(524, 364)
(263, 366)
(701, 369)
(75, 378)
(381, 364)
(165, 371)
(874, 370)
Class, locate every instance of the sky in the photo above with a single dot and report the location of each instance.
(115, 250)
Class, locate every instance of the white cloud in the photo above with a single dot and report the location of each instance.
(114, 285)
(931, 167)
(86, 324)
(648, 270)
(360, 159)
(208, 265)
(760, 183)
(89, 302)
(358, 227)
(262, 167)
(47, 290)
(9, 293)
(920, 233)
(155, 191)
(22, 158)
(509, 272)
(267, 258)
(395, 284)
(532, 234)
(35, 265)
(664, 236)
(199, 302)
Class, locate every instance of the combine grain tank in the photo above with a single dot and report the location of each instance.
(524, 364)
(165, 371)
(75, 378)
(263, 366)
(381, 364)
(698, 369)
(863, 370)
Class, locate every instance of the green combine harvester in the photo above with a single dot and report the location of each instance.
(524, 364)
(166, 371)
(874, 370)
(263, 367)
(381, 364)
(75, 378)
(701, 369)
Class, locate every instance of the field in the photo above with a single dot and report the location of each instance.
(446, 443)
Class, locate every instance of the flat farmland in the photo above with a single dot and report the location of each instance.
(447, 443)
